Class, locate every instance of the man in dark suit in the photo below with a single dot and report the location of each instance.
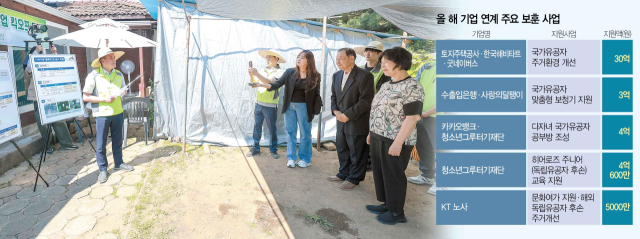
(352, 92)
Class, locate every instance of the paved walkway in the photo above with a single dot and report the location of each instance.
(74, 205)
(172, 204)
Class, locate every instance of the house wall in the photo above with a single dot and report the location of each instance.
(134, 55)
(30, 142)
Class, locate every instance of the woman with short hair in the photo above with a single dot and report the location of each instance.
(302, 101)
(395, 110)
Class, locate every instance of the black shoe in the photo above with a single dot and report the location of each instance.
(123, 167)
(102, 177)
(72, 147)
(391, 218)
(253, 152)
(379, 209)
(275, 155)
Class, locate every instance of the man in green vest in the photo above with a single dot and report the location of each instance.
(371, 53)
(426, 127)
(266, 107)
(104, 88)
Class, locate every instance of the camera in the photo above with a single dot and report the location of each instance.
(35, 29)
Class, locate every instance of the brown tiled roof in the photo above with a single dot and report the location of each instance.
(93, 9)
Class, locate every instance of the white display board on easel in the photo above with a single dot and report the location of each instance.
(10, 127)
(57, 87)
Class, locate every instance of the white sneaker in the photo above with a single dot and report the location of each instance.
(291, 163)
(420, 180)
(433, 189)
(303, 164)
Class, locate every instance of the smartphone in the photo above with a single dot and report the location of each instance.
(250, 76)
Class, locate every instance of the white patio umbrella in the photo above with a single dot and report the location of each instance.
(97, 37)
(105, 22)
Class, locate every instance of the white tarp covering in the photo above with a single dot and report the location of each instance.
(220, 50)
(417, 17)
(285, 9)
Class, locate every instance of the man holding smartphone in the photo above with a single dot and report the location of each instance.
(266, 107)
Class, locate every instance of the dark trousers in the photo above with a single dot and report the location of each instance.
(270, 114)
(103, 124)
(426, 146)
(388, 174)
(353, 153)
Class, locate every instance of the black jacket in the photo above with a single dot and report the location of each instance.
(312, 97)
(354, 100)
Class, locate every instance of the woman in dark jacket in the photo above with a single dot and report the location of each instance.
(302, 101)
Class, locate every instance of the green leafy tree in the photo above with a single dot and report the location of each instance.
(369, 20)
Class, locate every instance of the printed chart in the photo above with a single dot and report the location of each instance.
(57, 87)
(10, 127)
(555, 119)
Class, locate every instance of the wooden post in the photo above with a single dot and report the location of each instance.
(404, 41)
(324, 75)
(186, 79)
(142, 82)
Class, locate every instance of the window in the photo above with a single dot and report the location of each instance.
(21, 83)
(56, 30)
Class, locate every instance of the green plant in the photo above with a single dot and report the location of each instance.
(422, 46)
(251, 224)
(323, 221)
(419, 59)
(116, 232)
(115, 190)
(369, 20)
(151, 108)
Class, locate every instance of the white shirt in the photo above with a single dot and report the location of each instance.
(345, 77)
(28, 69)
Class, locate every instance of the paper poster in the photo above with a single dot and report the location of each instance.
(57, 87)
(10, 127)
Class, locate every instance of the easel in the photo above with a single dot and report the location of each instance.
(47, 138)
(30, 164)
(43, 155)
(18, 125)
